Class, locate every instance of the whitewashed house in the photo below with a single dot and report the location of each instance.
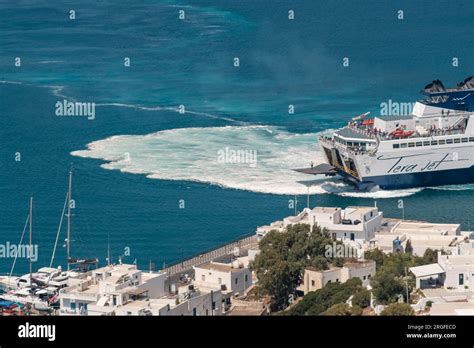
(314, 279)
(234, 277)
(109, 287)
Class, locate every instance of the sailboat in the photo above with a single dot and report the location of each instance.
(28, 294)
(9, 282)
(41, 288)
(80, 265)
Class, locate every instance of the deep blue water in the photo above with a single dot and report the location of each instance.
(190, 62)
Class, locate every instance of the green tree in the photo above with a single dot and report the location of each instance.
(356, 311)
(430, 256)
(398, 309)
(284, 256)
(339, 309)
(320, 263)
(317, 302)
(343, 309)
(386, 287)
(361, 299)
(376, 255)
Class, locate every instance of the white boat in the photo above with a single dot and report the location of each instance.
(41, 288)
(432, 146)
(27, 296)
(8, 282)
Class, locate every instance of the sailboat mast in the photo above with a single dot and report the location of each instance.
(68, 240)
(108, 249)
(31, 240)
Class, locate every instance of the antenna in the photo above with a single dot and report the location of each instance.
(68, 240)
(108, 248)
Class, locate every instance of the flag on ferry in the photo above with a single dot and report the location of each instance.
(360, 116)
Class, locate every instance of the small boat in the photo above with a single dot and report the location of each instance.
(400, 133)
(26, 296)
(40, 289)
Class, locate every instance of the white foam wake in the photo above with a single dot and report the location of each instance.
(57, 91)
(174, 109)
(192, 154)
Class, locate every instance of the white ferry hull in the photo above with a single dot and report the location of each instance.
(414, 167)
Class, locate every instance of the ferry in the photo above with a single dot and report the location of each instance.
(432, 146)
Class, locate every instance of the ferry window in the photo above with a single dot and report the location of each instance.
(434, 142)
(426, 143)
(449, 141)
(442, 142)
(464, 140)
(471, 139)
(403, 145)
(349, 143)
(419, 144)
(396, 146)
(457, 141)
(411, 144)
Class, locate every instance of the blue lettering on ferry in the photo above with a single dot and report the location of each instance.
(398, 168)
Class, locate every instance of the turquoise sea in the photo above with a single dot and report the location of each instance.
(145, 174)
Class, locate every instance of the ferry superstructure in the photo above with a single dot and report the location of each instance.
(432, 146)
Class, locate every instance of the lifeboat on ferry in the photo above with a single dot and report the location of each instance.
(400, 133)
(368, 122)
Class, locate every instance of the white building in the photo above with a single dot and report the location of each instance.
(234, 277)
(110, 287)
(357, 224)
(422, 235)
(274, 226)
(458, 270)
(189, 301)
(314, 279)
(454, 271)
(353, 225)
